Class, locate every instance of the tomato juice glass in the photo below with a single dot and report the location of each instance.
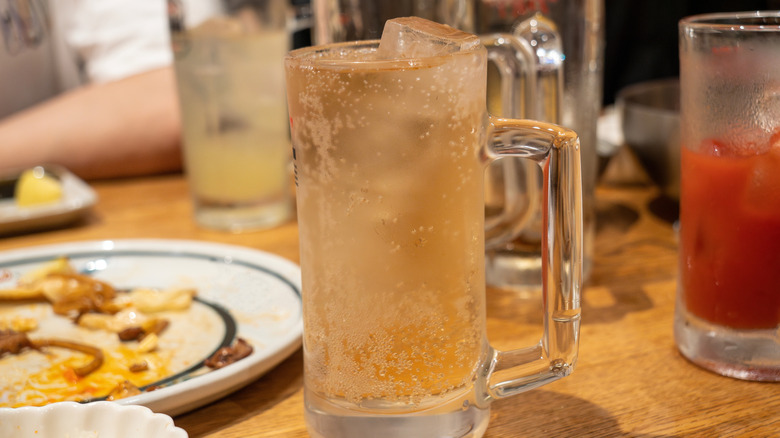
(728, 306)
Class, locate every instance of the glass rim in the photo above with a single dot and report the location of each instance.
(309, 56)
(744, 21)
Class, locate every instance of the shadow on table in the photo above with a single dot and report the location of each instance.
(630, 253)
(542, 413)
(600, 304)
(623, 301)
(615, 216)
(665, 208)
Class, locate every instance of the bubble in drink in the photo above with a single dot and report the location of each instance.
(414, 37)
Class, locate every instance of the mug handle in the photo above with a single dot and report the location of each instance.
(542, 34)
(517, 179)
(557, 151)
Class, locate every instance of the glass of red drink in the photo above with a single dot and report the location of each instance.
(728, 306)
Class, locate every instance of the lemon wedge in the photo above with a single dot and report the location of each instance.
(35, 187)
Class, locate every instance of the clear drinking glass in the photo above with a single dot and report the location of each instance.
(390, 152)
(728, 305)
(228, 57)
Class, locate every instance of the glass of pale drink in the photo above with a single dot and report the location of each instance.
(230, 82)
(390, 143)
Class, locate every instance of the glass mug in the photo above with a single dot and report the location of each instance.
(389, 158)
(546, 62)
(728, 305)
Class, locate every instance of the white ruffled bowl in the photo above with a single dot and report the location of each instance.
(91, 420)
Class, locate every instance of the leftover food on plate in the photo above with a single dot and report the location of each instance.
(99, 342)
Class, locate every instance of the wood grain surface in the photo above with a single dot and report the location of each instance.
(630, 380)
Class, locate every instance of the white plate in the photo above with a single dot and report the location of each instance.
(77, 198)
(242, 293)
(76, 420)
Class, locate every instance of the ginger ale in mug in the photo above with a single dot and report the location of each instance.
(390, 144)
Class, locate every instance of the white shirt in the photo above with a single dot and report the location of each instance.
(49, 46)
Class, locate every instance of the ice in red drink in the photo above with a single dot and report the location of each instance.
(730, 234)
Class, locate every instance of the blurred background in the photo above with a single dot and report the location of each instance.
(640, 34)
(640, 45)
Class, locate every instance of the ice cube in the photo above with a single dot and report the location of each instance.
(415, 37)
(761, 194)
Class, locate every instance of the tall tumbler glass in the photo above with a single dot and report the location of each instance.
(228, 57)
(728, 306)
(389, 153)
(546, 60)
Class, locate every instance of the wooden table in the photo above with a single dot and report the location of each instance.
(629, 381)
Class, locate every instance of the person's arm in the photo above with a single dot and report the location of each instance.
(115, 129)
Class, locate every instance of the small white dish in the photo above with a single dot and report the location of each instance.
(92, 420)
(77, 198)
